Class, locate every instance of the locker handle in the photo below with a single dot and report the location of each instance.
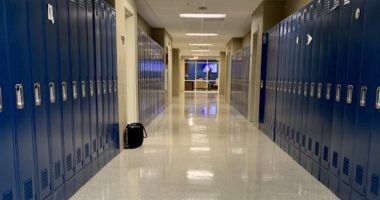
(1, 100)
(319, 95)
(312, 89)
(328, 91)
(52, 92)
(290, 87)
(294, 87)
(104, 87)
(19, 96)
(75, 90)
(261, 84)
(378, 98)
(363, 96)
(64, 91)
(114, 86)
(83, 84)
(338, 92)
(299, 88)
(99, 89)
(110, 87)
(334, 8)
(305, 88)
(350, 89)
(91, 88)
(37, 94)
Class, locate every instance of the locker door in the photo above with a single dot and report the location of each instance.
(54, 92)
(264, 65)
(332, 18)
(109, 75)
(67, 97)
(40, 97)
(340, 91)
(99, 84)
(8, 188)
(355, 53)
(21, 94)
(105, 76)
(371, 52)
(92, 79)
(84, 80)
(115, 85)
(76, 79)
(279, 78)
(288, 75)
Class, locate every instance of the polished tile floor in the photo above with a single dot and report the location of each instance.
(202, 149)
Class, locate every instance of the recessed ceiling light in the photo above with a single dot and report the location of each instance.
(200, 44)
(200, 50)
(201, 34)
(202, 16)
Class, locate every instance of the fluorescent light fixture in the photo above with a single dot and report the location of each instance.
(200, 44)
(200, 50)
(201, 34)
(203, 16)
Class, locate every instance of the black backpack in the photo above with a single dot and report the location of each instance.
(134, 136)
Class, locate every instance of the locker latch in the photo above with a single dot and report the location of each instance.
(294, 87)
(37, 94)
(50, 13)
(64, 91)
(319, 95)
(52, 92)
(104, 87)
(261, 84)
(19, 96)
(363, 96)
(338, 92)
(75, 90)
(114, 86)
(290, 87)
(312, 89)
(299, 88)
(357, 13)
(99, 89)
(91, 88)
(110, 87)
(328, 91)
(83, 84)
(305, 88)
(378, 98)
(1, 100)
(350, 89)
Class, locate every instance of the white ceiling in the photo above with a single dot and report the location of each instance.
(165, 14)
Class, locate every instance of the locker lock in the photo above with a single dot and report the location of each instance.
(357, 13)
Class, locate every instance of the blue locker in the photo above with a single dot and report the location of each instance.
(371, 62)
(76, 80)
(21, 97)
(40, 97)
(115, 86)
(340, 90)
(91, 83)
(328, 98)
(279, 78)
(67, 98)
(287, 79)
(54, 92)
(366, 138)
(109, 76)
(8, 188)
(355, 53)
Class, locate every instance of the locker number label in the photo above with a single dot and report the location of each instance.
(50, 13)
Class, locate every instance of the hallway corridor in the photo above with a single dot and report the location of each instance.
(202, 149)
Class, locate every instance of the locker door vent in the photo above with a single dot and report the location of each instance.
(28, 189)
(69, 162)
(335, 159)
(94, 146)
(87, 150)
(316, 149)
(346, 166)
(8, 195)
(325, 153)
(89, 6)
(359, 175)
(309, 144)
(79, 156)
(44, 179)
(375, 184)
(82, 4)
(97, 8)
(57, 170)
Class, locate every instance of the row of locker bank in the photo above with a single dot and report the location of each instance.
(321, 93)
(58, 96)
(151, 78)
(240, 63)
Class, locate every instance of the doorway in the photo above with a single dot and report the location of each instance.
(201, 75)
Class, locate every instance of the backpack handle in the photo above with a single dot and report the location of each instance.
(142, 126)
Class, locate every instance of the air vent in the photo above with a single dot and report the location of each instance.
(82, 4)
(79, 156)
(28, 189)
(69, 162)
(335, 160)
(57, 170)
(90, 6)
(213, 20)
(97, 8)
(375, 184)
(316, 149)
(325, 153)
(346, 166)
(44, 179)
(8, 195)
(359, 175)
(87, 150)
